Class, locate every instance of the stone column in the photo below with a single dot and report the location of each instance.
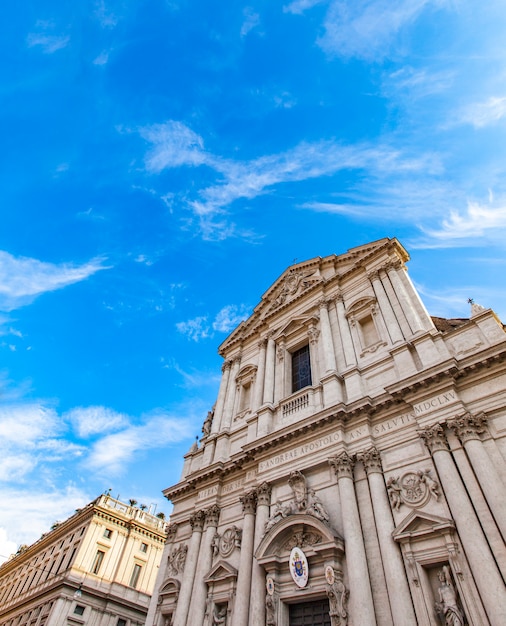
(185, 593)
(257, 603)
(270, 363)
(313, 334)
(199, 593)
(485, 572)
(230, 397)
(393, 328)
(260, 377)
(468, 429)
(220, 402)
(329, 356)
(404, 300)
(395, 575)
(361, 603)
(349, 350)
(241, 607)
(280, 371)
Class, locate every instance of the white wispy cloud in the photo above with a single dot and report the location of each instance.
(94, 420)
(229, 317)
(31, 512)
(467, 228)
(102, 58)
(481, 114)
(365, 29)
(22, 279)
(299, 6)
(224, 321)
(195, 329)
(173, 145)
(45, 36)
(176, 145)
(251, 21)
(110, 454)
(105, 15)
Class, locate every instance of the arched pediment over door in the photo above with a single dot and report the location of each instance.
(321, 545)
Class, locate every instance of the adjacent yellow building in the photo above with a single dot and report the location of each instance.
(97, 568)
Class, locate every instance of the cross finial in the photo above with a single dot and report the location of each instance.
(470, 300)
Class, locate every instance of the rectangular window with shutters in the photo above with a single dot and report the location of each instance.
(301, 369)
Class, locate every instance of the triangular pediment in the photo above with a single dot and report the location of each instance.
(303, 278)
(419, 524)
(221, 571)
(294, 325)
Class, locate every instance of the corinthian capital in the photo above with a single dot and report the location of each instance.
(343, 465)
(468, 426)
(434, 438)
(249, 502)
(226, 366)
(197, 520)
(212, 515)
(263, 492)
(371, 460)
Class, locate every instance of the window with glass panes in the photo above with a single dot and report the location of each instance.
(301, 369)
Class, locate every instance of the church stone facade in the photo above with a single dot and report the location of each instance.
(352, 471)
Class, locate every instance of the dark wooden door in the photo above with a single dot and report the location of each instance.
(314, 613)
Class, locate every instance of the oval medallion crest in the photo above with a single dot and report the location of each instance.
(299, 568)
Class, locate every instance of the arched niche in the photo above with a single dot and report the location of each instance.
(167, 600)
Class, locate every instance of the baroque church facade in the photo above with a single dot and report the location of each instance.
(352, 471)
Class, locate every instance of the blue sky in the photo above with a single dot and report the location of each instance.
(163, 161)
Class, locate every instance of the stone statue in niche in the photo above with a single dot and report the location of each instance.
(215, 544)
(447, 608)
(208, 422)
(413, 489)
(304, 500)
(220, 615)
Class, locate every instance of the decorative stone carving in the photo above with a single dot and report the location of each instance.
(343, 465)
(371, 460)
(295, 281)
(279, 512)
(304, 500)
(313, 333)
(171, 531)
(297, 482)
(468, 426)
(197, 520)
(249, 502)
(413, 489)
(338, 599)
(226, 366)
(434, 438)
(230, 539)
(212, 515)
(177, 559)
(447, 607)
(302, 539)
(270, 609)
(263, 492)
